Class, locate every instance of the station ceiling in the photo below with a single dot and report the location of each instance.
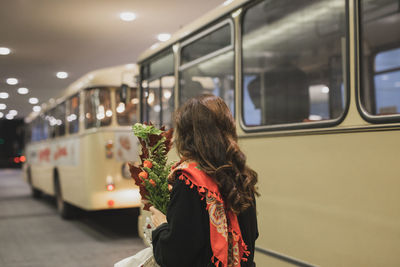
(78, 36)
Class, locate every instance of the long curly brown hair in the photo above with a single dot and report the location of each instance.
(205, 132)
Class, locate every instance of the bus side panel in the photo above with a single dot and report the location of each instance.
(41, 166)
(70, 168)
(330, 200)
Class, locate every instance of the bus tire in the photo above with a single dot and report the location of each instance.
(66, 211)
(36, 193)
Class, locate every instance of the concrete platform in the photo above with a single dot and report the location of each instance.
(33, 234)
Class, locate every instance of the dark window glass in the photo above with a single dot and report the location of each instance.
(73, 114)
(157, 87)
(97, 107)
(293, 61)
(212, 75)
(50, 123)
(380, 61)
(203, 46)
(44, 128)
(35, 130)
(28, 133)
(126, 111)
(167, 99)
(59, 115)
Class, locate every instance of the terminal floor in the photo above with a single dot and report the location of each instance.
(33, 234)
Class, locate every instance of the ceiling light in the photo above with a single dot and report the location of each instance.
(1, 115)
(36, 108)
(23, 91)
(325, 90)
(33, 100)
(3, 106)
(9, 116)
(154, 46)
(62, 75)
(12, 81)
(227, 2)
(127, 16)
(162, 37)
(4, 95)
(13, 112)
(4, 51)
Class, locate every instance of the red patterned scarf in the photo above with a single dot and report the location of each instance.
(222, 223)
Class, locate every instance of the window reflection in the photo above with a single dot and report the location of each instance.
(97, 103)
(289, 54)
(211, 70)
(126, 111)
(157, 86)
(380, 61)
(73, 114)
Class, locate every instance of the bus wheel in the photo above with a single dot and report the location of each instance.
(36, 193)
(66, 210)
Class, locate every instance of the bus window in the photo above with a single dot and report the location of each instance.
(97, 107)
(126, 111)
(380, 57)
(292, 62)
(35, 136)
(158, 90)
(207, 65)
(73, 114)
(167, 100)
(44, 128)
(28, 133)
(59, 117)
(153, 102)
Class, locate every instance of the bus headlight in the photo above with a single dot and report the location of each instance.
(125, 171)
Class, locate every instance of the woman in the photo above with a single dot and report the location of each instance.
(211, 219)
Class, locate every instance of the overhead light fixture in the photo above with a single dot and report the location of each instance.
(9, 116)
(1, 115)
(23, 91)
(227, 2)
(36, 108)
(162, 37)
(154, 46)
(127, 16)
(33, 100)
(12, 81)
(325, 90)
(4, 51)
(4, 95)
(13, 112)
(62, 75)
(3, 106)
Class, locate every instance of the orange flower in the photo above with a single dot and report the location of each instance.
(147, 164)
(143, 175)
(152, 182)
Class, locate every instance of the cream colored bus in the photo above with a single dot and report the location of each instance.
(315, 90)
(80, 144)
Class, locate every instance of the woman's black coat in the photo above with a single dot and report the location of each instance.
(185, 240)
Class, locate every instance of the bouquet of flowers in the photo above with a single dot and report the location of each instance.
(152, 174)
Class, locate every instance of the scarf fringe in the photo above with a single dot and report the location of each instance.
(203, 192)
(215, 260)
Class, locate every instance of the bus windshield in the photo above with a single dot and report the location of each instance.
(126, 110)
(97, 107)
